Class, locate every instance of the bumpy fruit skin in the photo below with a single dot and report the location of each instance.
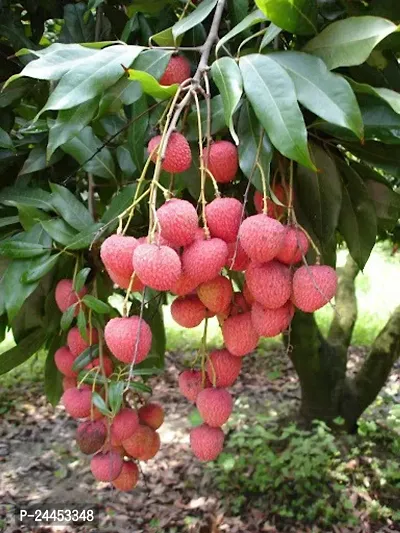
(206, 442)
(90, 436)
(271, 322)
(215, 406)
(247, 294)
(158, 267)
(203, 260)
(121, 336)
(237, 306)
(224, 216)
(179, 222)
(223, 368)
(188, 311)
(237, 260)
(128, 478)
(191, 383)
(65, 295)
(139, 444)
(295, 245)
(124, 425)
(77, 344)
(69, 383)
(77, 402)
(222, 161)
(116, 253)
(269, 283)
(273, 210)
(185, 285)
(216, 294)
(313, 287)
(106, 466)
(177, 71)
(240, 337)
(153, 449)
(178, 156)
(108, 366)
(261, 237)
(152, 415)
(64, 360)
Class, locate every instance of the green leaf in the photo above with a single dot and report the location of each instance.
(121, 201)
(151, 86)
(30, 216)
(380, 121)
(228, 78)
(59, 230)
(349, 42)
(272, 95)
(70, 123)
(67, 317)
(80, 28)
(124, 92)
(12, 93)
(21, 250)
(154, 62)
(295, 16)
(327, 95)
(377, 154)
(100, 404)
(115, 395)
(87, 356)
(154, 317)
(81, 323)
(5, 140)
(196, 17)
(253, 141)
(14, 196)
(84, 146)
(125, 161)
(217, 118)
(255, 17)
(85, 238)
(137, 131)
(140, 387)
(238, 10)
(37, 272)
(70, 208)
(166, 38)
(392, 98)
(357, 220)
(81, 278)
(52, 377)
(97, 305)
(272, 32)
(23, 351)
(8, 221)
(37, 160)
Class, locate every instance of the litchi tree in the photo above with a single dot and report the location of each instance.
(218, 151)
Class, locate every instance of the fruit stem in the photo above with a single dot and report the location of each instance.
(203, 352)
(264, 186)
(130, 376)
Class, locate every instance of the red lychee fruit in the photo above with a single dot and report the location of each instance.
(177, 71)
(237, 306)
(271, 322)
(77, 344)
(240, 337)
(216, 294)
(269, 283)
(247, 294)
(129, 339)
(108, 366)
(206, 442)
(184, 286)
(69, 383)
(153, 448)
(64, 361)
(139, 444)
(215, 406)
(203, 260)
(295, 246)
(273, 210)
(200, 235)
(90, 436)
(124, 424)
(152, 415)
(237, 260)
(223, 368)
(158, 267)
(128, 478)
(188, 311)
(313, 287)
(191, 383)
(77, 402)
(261, 237)
(178, 221)
(106, 466)
(222, 161)
(116, 253)
(224, 216)
(65, 295)
(178, 156)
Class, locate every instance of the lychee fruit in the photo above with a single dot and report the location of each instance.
(108, 367)
(273, 210)
(191, 383)
(129, 339)
(203, 260)
(177, 71)
(90, 436)
(65, 295)
(222, 161)
(116, 253)
(271, 322)
(184, 285)
(153, 449)
(69, 383)
(240, 337)
(158, 267)
(237, 306)
(313, 287)
(216, 294)
(295, 246)
(188, 311)
(124, 424)
(152, 415)
(139, 444)
(77, 344)
(64, 361)
(269, 283)
(77, 402)
(247, 294)
(206, 442)
(128, 478)
(178, 221)
(215, 406)
(238, 260)
(224, 216)
(223, 368)
(261, 237)
(106, 466)
(178, 156)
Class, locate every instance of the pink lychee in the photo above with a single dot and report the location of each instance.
(65, 295)
(222, 161)
(178, 156)
(203, 260)
(206, 442)
(158, 267)
(152, 415)
(295, 246)
(116, 253)
(191, 382)
(216, 294)
(128, 478)
(177, 71)
(64, 361)
(240, 337)
(188, 311)
(238, 260)
(77, 344)
(261, 237)
(313, 287)
(269, 283)
(271, 322)
(124, 424)
(129, 339)
(178, 221)
(224, 216)
(215, 406)
(106, 466)
(77, 402)
(223, 368)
